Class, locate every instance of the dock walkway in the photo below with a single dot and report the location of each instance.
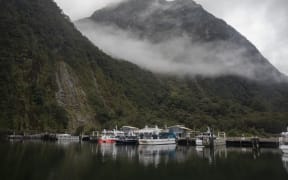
(253, 142)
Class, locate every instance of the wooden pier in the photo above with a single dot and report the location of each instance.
(253, 142)
(187, 141)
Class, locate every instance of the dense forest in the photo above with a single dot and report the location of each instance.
(52, 78)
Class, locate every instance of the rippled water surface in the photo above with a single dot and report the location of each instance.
(37, 161)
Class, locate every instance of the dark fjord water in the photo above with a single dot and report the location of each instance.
(47, 161)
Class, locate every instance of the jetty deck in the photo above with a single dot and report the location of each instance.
(253, 142)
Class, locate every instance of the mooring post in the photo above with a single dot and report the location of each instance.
(212, 139)
(255, 143)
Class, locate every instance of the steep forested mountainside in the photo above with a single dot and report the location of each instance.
(53, 78)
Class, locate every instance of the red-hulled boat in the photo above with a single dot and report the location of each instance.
(110, 136)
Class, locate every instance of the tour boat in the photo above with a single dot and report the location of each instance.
(208, 139)
(127, 140)
(67, 137)
(109, 136)
(154, 136)
(130, 136)
(283, 142)
(158, 140)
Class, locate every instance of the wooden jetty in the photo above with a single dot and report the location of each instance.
(187, 141)
(253, 142)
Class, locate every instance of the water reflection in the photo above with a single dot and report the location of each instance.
(163, 154)
(154, 155)
(36, 160)
(148, 155)
(212, 154)
(285, 161)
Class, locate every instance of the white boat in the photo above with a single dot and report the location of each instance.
(67, 137)
(283, 142)
(207, 138)
(110, 136)
(158, 141)
(154, 136)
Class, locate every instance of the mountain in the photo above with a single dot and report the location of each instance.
(204, 39)
(52, 78)
(228, 67)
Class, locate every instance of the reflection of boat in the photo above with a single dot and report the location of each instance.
(154, 154)
(108, 149)
(199, 148)
(284, 148)
(283, 142)
(211, 154)
(285, 161)
(208, 138)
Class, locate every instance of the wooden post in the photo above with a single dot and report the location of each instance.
(212, 139)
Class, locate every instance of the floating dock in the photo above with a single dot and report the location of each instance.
(253, 142)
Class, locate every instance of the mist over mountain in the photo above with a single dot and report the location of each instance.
(176, 37)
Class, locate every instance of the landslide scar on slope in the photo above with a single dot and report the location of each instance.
(72, 97)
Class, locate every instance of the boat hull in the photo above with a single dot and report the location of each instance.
(206, 142)
(127, 142)
(156, 141)
(106, 141)
(67, 137)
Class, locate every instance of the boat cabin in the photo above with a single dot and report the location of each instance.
(180, 131)
(129, 130)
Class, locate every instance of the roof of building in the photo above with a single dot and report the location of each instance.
(129, 127)
(180, 127)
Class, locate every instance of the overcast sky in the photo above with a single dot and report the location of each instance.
(263, 22)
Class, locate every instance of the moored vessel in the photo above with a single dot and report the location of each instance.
(283, 142)
(110, 136)
(127, 140)
(130, 136)
(208, 139)
(154, 136)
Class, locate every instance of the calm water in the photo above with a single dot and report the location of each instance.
(37, 161)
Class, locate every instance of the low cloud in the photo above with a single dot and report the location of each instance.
(263, 22)
(177, 56)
